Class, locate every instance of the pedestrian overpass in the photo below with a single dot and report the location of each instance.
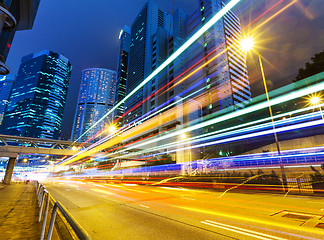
(13, 146)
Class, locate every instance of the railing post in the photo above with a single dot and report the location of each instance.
(41, 190)
(37, 192)
(36, 187)
(45, 216)
(50, 230)
(41, 206)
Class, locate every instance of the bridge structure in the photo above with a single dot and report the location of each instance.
(13, 146)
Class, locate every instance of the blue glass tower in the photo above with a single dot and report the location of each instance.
(122, 71)
(6, 83)
(38, 97)
(149, 26)
(96, 97)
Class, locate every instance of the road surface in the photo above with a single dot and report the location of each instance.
(130, 211)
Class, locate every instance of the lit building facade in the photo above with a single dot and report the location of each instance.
(224, 76)
(6, 83)
(14, 16)
(151, 23)
(96, 98)
(210, 76)
(122, 72)
(38, 96)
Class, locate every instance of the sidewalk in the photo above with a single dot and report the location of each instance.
(18, 212)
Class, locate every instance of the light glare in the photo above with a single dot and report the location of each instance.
(247, 44)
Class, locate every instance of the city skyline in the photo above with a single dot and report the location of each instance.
(181, 119)
(102, 51)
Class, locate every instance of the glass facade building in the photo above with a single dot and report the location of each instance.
(6, 83)
(122, 72)
(96, 98)
(145, 26)
(38, 96)
(225, 77)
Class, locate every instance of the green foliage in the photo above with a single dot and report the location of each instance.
(312, 68)
(164, 159)
(237, 177)
(316, 176)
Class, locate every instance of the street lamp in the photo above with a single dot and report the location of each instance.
(246, 45)
(112, 129)
(315, 100)
(183, 136)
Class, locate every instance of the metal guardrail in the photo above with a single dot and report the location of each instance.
(42, 193)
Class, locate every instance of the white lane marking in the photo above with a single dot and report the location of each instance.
(179, 189)
(315, 202)
(144, 206)
(112, 185)
(97, 185)
(129, 184)
(188, 198)
(241, 230)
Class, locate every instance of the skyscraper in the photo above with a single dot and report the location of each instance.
(96, 97)
(150, 23)
(6, 83)
(15, 16)
(122, 71)
(224, 76)
(210, 76)
(38, 97)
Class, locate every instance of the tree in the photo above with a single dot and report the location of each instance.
(316, 66)
(162, 160)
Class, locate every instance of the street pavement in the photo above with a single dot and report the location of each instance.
(18, 212)
(130, 211)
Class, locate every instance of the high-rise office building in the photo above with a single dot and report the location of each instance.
(148, 29)
(38, 97)
(96, 98)
(14, 16)
(224, 77)
(210, 76)
(122, 72)
(6, 83)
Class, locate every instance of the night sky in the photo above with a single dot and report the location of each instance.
(86, 32)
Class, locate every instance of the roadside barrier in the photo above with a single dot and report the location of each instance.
(51, 203)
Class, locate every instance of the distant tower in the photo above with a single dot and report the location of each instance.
(122, 71)
(6, 83)
(38, 97)
(150, 26)
(96, 98)
(14, 16)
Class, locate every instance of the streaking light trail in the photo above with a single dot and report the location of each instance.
(177, 53)
(262, 105)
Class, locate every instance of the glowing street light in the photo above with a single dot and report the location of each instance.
(315, 100)
(112, 129)
(74, 148)
(247, 44)
(183, 136)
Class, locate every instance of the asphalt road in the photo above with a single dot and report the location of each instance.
(129, 211)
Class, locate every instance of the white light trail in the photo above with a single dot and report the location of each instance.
(176, 54)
